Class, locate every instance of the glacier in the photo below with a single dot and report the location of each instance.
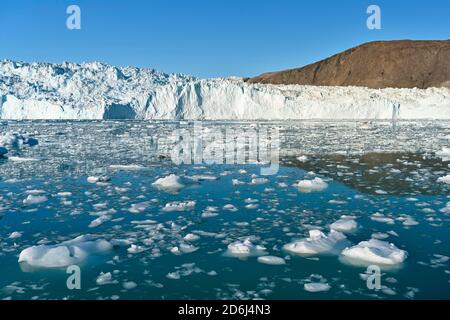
(95, 91)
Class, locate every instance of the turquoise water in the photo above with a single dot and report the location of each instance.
(68, 153)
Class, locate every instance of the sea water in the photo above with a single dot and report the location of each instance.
(384, 180)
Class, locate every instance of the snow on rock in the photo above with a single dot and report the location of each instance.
(375, 252)
(171, 183)
(64, 254)
(101, 91)
(317, 243)
(315, 185)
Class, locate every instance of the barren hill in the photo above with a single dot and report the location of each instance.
(381, 64)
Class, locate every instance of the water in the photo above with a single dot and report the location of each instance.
(368, 167)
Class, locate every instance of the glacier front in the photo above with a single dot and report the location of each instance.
(91, 91)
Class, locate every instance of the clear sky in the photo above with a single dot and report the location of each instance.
(209, 38)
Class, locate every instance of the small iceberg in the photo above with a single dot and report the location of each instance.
(345, 225)
(375, 252)
(244, 249)
(444, 154)
(316, 287)
(179, 206)
(318, 243)
(315, 185)
(171, 184)
(271, 260)
(64, 254)
(445, 179)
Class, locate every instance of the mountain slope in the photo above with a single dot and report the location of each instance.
(383, 64)
(101, 91)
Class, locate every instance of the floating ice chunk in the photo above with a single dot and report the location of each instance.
(444, 154)
(179, 206)
(244, 249)
(259, 180)
(15, 235)
(139, 207)
(318, 243)
(272, 260)
(379, 217)
(127, 167)
(17, 140)
(191, 237)
(375, 252)
(315, 185)
(230, 207)
(302, 158)
(64, 194)
(202, 177)
(210, 212)
(316, 287)
(65, 254)
(21, 159)
(445, 179)
(171, 183)
(34, 199)
(105, 278)
(237, 182)
(129, 285)
(133, 249)
(93, 179)
(344, 225)
(100, 220)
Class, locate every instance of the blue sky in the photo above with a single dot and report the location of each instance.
(209, 38)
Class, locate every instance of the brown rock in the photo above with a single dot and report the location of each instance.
(381, 64)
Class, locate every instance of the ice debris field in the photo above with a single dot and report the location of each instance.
(105, 196)
(99, 91)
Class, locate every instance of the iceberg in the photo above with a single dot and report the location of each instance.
(100, 91)
(317, 243)
(72, 252)
(169, 184)
(375, 252)
(315, 185)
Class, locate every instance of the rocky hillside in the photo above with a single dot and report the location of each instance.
(383, 64)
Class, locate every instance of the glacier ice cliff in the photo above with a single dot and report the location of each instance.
(101, 91)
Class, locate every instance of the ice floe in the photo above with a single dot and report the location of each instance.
(375, 252)
(271, 260)
(315, 185)
(67, 253)
(171, 183)
(179, 206)
(316, 287)
(244, 249)
(345, 225)
(445, 179)
(318, 243)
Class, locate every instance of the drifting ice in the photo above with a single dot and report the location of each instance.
(317, 243)
(100, 91)
(375, 252)
(65, 254)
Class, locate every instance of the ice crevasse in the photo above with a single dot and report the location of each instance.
(100, 91)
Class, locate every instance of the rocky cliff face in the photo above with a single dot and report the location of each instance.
(383, 64)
